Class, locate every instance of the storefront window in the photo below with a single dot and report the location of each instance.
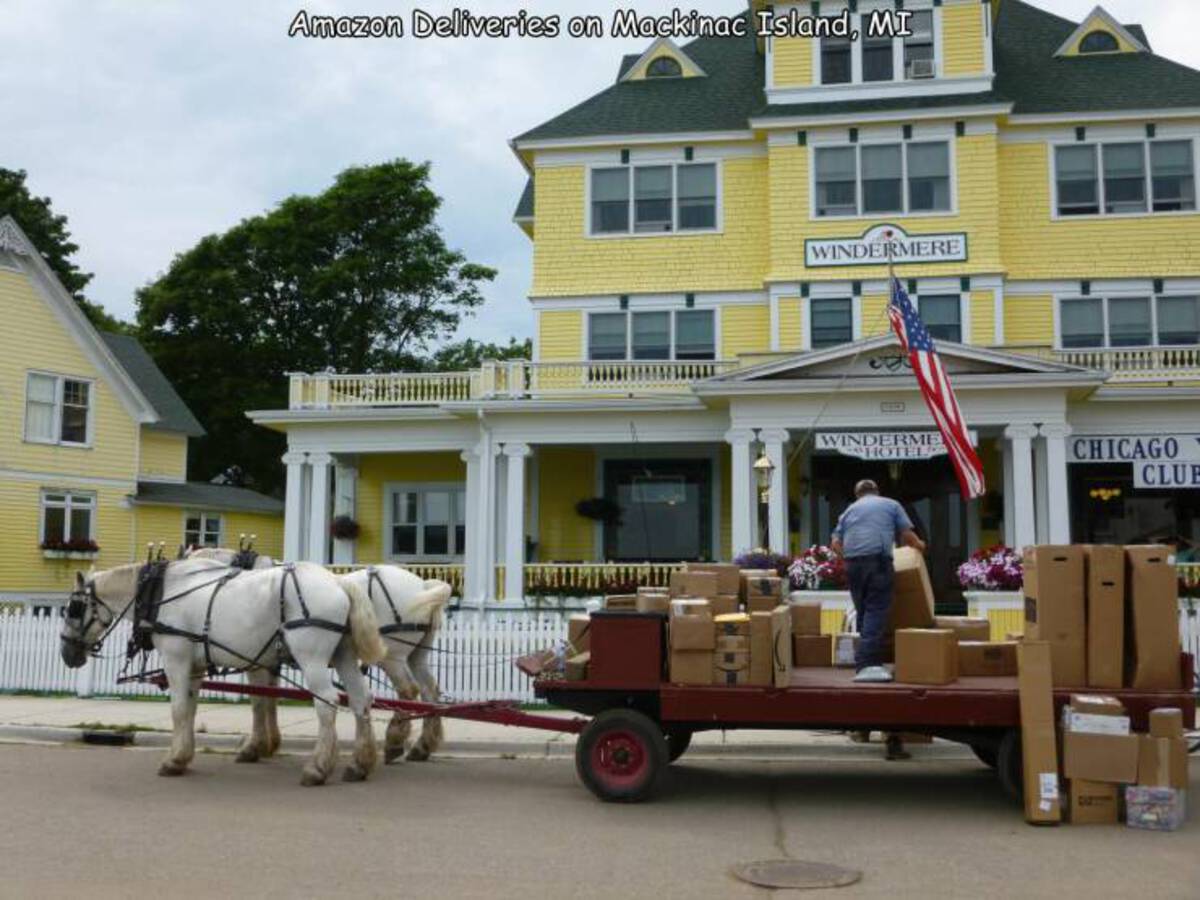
(1107, 508)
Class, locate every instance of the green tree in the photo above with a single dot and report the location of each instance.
(468, 354)
(356, 279)
(50, 236)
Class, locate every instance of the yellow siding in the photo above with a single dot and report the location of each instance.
(268, 528)
(1098, 24)
(167, 523)
(1028, 320)
(566, 476)
(874, 315)
(745, 329)
(163, 454)
(1036, 246)
(22, 566)
(793, 62)
(962, 41)
(376, 470)
(560, 335)
(33, 338)
(566, 262)
(983, 318)
(790, 223)
(791, 324)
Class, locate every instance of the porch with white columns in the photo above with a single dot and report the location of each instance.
(516, 456)
(479, 560)
(1058, 496)
(1020, 438)
(742, 490)
(775, 442)
(345, 503)
(293, 518)
(318, 509)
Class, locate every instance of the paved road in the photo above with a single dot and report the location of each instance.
(96, 822)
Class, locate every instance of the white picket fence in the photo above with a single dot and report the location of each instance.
(472, 657)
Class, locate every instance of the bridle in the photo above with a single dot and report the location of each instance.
(82, 608)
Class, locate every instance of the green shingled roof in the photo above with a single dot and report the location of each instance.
(524, 208)
(173, 413)
(202, 495)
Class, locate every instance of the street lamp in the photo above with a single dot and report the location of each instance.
(764, 469)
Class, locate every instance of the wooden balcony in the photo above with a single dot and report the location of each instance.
(1127, 365)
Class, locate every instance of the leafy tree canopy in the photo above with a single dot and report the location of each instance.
(357, 279)
(469, 354)
(50, 236)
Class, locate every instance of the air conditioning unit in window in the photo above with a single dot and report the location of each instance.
(922, 68)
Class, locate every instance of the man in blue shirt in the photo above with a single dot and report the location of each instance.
(864, 537)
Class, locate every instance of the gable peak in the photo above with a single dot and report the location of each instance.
(1100, 34)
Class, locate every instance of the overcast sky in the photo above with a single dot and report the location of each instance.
(152, 124)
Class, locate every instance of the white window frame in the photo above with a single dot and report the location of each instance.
(60, 381)
(421, 488)
(952, 152)
(629, 313)
(964, 310)
(674, 165)
(74, 499)
(859, 22)
(855, 319)
(1097, 148)
(204, 516)
(1104, 299)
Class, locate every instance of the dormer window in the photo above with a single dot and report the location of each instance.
(664, 67)
(1099, 42)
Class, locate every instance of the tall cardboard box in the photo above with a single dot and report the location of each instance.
(912, 600)
(693, 584)
(781, 646)
(1153, 618)
(760, 648)
(579, 628)
(1104, 568)
(729, 578)
(806, 617)
(1162, 762)
(812, 651)
(926, 656)
(1055, 610)
(1039, 748)
(1092, 803)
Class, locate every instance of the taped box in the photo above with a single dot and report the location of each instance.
(781, 647)
(991, 658)
(1152, 589)
(967, 628)
(926, 656)
(812, 651)
(1092, 803)
(731, 668)
(1162, 762)
(1055, 610)
(1039, 750)
(806, 617)
(577, 667)
(621, 601)
(1087, 714)
(1111, 758)
(693, 584)
(725, 604)
(733, 623)
(691, 667)
(1104, 569)
(760, 648)
(653, 603)
(1166, 722)
(694, 630)
(729, 577)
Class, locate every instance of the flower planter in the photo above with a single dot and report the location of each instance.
(980, 603)
(70, 554)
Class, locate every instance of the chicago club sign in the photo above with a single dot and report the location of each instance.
(871, 248)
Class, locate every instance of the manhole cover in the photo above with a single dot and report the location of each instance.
(787, 873)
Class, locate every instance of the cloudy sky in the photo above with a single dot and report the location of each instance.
(151, 123)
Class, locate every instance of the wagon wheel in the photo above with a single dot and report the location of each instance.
(988, 754)
(678, 740)
(621, 755)
(1010, 765)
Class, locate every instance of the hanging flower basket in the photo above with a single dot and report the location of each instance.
(344, 528)
(600, 509)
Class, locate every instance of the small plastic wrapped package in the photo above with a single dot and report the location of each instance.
(1154, 808)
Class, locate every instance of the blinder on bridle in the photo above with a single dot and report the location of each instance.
(81, 612)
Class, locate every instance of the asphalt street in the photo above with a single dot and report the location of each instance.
(97, 822)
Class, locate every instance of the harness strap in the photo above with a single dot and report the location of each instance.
(373, 578)
(208, 614)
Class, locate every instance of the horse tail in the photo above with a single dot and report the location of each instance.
(364, 627)
(431, 602)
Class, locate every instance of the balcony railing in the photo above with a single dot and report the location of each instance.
(1126, 365)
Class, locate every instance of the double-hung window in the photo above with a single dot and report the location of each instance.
(67, 517)
(686, 334)
(942, 315)
(832, 321)
(1096, 322)
(201, 529)
(1178, 321)
(878, 61)
(836, 66)
(57, 409)
(427, 521)
(654, 199)
(918, 46)
(872, 179)
(1125, 177)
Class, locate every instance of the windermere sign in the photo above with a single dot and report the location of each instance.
(872, 248)
(885, 445)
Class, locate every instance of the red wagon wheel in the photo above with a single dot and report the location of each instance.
(621, 755)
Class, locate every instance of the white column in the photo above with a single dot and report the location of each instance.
(1006, 458)
(514, 523)
(1041, 478)
(1021, 438)
(775, 443)
(741, 492)
(345, 503)
(293, 506)
(482, 527)
(471, 568)
(318, 523)
(1054, 436)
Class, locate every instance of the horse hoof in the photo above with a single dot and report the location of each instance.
(311, 779)
(170, 769)
(354, 773)
(417, 754)
(248, 755)
(391, 754)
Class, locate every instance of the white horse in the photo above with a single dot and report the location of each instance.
(210, 615)
(410, 610)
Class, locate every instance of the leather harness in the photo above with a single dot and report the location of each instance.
(398, 623)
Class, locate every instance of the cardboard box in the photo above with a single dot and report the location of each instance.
(806, 618)
(577, 667)
(733, 623)
(725, 604)
(653, 603)
(812, 650)
(1166, 722)
(762, 587)
(732, 643)
(967, 628)
(1097, 704)
(1088, 723)
(760, 648)
(1111, 758)
(845, 650)
(762, 604)
(621, 601)
(1039, 750)
(694, 631)
(781, 646)
(1055, 611)
(691, 667)
(1152, 590)
(1104, 569)
(653, 589)
(684, 606)
(693, 584)
(995, 658)
(1162, 762)
(1154, 809)
(579, 632)
(729, 578)
(731, 668)
(912, 601)
(926, 656)
(1092, 803)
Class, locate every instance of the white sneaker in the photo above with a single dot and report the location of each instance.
(874, 675)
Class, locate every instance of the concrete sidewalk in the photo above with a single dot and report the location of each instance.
(221, 725)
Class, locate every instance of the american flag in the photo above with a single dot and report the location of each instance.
(935, 388)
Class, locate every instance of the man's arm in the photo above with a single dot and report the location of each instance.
(908, 538)
(836, 545)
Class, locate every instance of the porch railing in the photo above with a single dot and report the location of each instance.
(329, 391)
(1127, 364)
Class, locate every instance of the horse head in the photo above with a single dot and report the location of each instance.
(86, 621)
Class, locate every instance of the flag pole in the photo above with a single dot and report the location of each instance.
(891, 268)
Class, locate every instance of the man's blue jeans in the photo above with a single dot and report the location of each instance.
(871, 581)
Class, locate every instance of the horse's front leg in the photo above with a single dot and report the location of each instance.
(257, 744)
(366, 753)
(432, 733)
(396, 737)
(184, 687)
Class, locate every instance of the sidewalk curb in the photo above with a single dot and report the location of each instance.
(552, 748)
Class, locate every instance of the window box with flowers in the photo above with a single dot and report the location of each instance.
(992, 580)
(77, 548)
(819, 575)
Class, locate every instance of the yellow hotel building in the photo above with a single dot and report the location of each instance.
(93, 446)
(709, 288)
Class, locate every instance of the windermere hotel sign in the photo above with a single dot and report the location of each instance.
(871, 249)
